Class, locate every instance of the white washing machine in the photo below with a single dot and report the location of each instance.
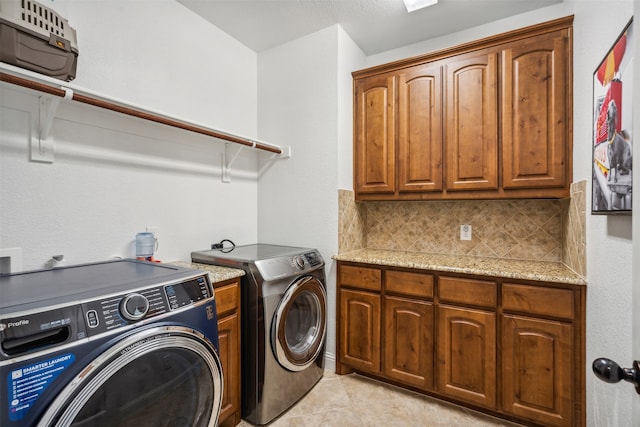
(284, 308)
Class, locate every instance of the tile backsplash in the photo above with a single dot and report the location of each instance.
(544, 230)
(352, 233)
(574, 246)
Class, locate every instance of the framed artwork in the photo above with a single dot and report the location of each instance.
(612, 128)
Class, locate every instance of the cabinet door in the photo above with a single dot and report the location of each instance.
(472, 122)
(420, 128)
(360, 330)
(537, 366)
(408, 347)
(535, 125)
(467, 355)
(229, 333)
(374, 144)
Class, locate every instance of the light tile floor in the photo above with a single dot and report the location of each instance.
(357, 401)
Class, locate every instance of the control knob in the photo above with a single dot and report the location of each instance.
(134, 306)
(299, 262)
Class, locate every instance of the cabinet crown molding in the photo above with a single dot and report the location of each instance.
(509, 36)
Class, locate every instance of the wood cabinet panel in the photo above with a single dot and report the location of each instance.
(228, 310)
(535, 116)
(361, 277)
(360, 330)
(539, 300)
(466, 342)
(537, 370)
(468, 291)
(408, 283)
(229, 337)
(374, 143)
(408, 346)
(472, 122)
(227, 299)
(420, 128)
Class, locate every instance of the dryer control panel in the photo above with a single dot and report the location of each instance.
(289, 266)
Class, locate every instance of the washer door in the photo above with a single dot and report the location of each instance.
(162, 376)
(299, 324)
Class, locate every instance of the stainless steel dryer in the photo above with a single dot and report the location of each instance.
(284, 322)
(118, 343)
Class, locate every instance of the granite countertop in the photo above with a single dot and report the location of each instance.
(216, 273)
(496, 267)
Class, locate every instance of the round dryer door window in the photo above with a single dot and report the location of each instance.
(163, 376)
(298, 328)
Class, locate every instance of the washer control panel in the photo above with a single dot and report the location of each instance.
(121, 310)
(134, 306)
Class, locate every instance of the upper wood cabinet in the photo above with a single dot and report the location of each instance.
(536, 122)
(487, 119)
(375, 135)
(420, 128)
(472, 122)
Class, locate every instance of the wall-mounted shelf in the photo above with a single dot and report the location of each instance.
(58, 88)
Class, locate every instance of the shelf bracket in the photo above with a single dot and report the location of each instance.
(42, 148)
(266, 163)
(229, 155)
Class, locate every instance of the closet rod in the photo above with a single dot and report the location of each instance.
(41, 87)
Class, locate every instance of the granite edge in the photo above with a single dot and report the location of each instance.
(543, 271)
(216, 273)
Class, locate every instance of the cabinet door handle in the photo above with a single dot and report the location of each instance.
(609, 371)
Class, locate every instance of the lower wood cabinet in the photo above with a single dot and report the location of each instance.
(467, 355)
(408, 345)
(227, 306)
(538, 353)
(360, 330)
(513, 349)
(537, 369)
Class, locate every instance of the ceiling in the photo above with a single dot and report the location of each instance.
(374, 25)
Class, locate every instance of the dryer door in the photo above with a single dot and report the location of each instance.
(165, 375)
(299, 324)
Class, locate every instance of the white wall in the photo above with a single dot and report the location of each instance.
(113, 176)
(302, 104)
(609, 244)
(636, 228)
(351, 58)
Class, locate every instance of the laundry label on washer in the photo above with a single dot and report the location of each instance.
(26, 385)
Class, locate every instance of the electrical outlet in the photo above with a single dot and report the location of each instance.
(465, 232)
(10, 260)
